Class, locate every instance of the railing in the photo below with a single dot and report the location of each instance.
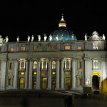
(53, 46)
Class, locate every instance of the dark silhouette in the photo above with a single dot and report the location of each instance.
(68, 101)
(24, 102)
(95, 82)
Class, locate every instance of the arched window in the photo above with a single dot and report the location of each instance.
(53, 65)
(35, 65)
(22, 63)
(44, 64)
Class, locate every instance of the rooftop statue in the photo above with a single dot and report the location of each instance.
(103, 37)
(7, 39)
(50, 37)
(85, 37)
(28, 38)
(39, 37)
(45, 37)
(18, 39)
(1, 39)
(32, 38)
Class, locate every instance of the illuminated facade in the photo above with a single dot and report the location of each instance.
(59, 62)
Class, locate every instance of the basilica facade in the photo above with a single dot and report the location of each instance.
(58, 62)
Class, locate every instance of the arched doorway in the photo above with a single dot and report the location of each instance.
(95, 82)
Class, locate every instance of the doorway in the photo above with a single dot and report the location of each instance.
(67, 83)
(95, 82)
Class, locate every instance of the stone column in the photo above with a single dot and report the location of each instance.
(87, 73)
(73, 78)
(62, 75)
(49, 74)
(26, 75)
(15, 82)
(38, 75)
(30, 74)
(57, 75)
(83, 67)
(3, 74)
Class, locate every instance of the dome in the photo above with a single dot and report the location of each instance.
(62, 34)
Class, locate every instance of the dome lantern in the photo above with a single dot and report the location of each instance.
(62, 22)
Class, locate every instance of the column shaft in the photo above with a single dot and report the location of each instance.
(49, 75)
(57, 75)
(30, 74)
(83, 67)
(73, 73)
(26, 75)
(3, 74)
(62, 74)
(15, 74)
(38, 75)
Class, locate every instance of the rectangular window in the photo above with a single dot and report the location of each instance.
(96, 65)
(22, 63)
(11, 50)
(67, 47)
(23, 48)
(22, 83)
(79, 47)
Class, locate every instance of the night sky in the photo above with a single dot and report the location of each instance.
(27, 17)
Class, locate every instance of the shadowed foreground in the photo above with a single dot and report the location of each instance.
(43, 99)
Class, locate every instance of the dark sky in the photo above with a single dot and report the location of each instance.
(27, 17)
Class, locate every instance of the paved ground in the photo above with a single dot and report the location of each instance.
(91, 101)
(43, 99)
